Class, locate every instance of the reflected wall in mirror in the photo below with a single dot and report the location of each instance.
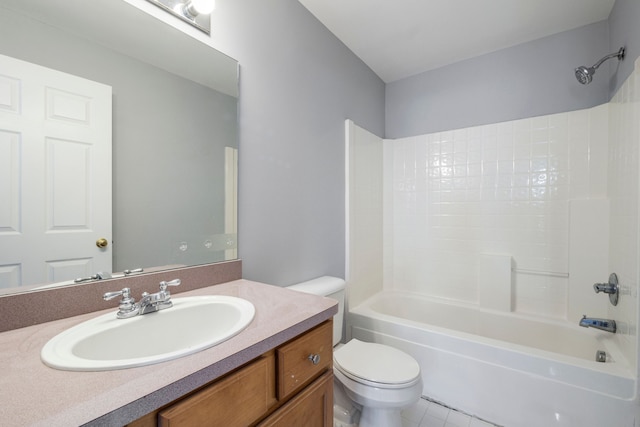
(174, 130)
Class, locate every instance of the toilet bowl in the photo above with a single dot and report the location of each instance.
(378, 379)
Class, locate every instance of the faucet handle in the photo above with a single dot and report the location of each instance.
(164, 285)
(607, 288)
(610, 288)
(125, 292)
(127, 307)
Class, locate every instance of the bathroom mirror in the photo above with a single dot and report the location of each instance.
(174, 129)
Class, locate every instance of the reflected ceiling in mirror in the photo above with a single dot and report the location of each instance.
(174, 158)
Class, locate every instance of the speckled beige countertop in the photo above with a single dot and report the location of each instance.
(32, 394)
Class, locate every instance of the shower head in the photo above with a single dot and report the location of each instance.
(585, 74)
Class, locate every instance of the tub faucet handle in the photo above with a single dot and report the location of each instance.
(604, 287)
(610, 288)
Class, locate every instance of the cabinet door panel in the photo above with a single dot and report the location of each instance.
(313, 407)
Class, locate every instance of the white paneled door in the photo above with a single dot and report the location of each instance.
(55, 175)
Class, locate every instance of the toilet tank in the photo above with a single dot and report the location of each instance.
(330, 287)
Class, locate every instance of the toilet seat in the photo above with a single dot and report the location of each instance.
(376, 365)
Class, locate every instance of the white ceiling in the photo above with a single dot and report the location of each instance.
(401, 38)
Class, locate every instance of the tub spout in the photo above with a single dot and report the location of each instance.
(602, 324)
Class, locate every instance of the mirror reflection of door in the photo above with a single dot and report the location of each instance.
(55, 159)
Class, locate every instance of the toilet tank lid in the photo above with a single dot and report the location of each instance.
(323, 286)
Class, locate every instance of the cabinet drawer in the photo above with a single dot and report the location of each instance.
(238, 400)
(295, 365)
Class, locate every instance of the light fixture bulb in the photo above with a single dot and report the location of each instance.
(194, 12)
(201, 7)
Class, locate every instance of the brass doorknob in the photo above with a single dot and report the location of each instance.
(102, 243)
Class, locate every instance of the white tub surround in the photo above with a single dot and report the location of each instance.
(515, 370)
(363, 204)
(559, 195)
(623, 191)
(587, 250)
(495, 281)
(500, 189)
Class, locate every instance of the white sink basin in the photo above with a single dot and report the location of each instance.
(106, 342)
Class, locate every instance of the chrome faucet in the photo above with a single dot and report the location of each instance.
(149, 303)
(602, 324)
(158, 301)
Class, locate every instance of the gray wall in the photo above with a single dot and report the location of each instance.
(527, 80)
(624, 30)
(298, 84)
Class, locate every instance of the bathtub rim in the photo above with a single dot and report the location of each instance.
(553, 366)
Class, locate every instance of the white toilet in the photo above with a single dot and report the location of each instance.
(379, 379)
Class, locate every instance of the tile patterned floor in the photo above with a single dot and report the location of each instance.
(426, 413)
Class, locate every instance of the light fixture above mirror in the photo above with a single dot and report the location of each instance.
(195, 12)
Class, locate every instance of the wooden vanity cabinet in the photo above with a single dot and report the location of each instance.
(238, 399)
(291, 385)
(312, 407)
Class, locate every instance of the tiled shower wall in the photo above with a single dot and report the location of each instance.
(527, 189)
(623, 187)
(494, 189)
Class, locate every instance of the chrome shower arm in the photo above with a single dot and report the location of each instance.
(584, 75)
(619, 55)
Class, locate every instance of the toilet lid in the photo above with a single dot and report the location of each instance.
(376, 363)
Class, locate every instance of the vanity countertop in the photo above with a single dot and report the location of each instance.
(33, 394)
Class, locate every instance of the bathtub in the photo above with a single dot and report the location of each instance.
(511, 369)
